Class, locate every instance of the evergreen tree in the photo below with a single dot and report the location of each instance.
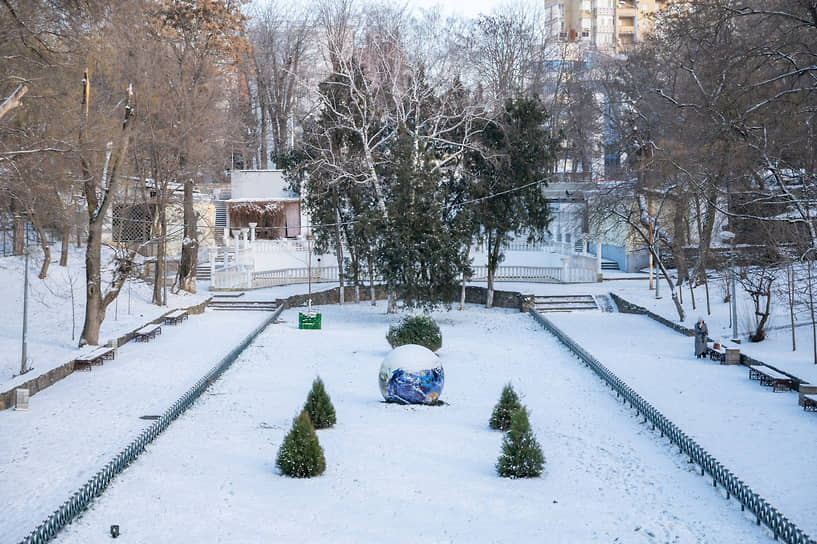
(508, 403)
(508, 176)
(319, 406)
(522, 456)
(301, 455)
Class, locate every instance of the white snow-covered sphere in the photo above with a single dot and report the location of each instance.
(411, 374)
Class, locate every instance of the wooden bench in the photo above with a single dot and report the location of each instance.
(96, 357)
(147, 332)
(810, 403)
(770, 378)
(174, 318)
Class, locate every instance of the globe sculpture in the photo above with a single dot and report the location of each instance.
(411, 374)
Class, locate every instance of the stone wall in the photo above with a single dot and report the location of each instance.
(627, 307)
(330, 296)
(54, 375)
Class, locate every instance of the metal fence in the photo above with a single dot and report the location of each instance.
(764, 512)
(80, 500)
(32, 237)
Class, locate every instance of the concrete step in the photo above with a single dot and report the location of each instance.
(244, 305)
(564, 303)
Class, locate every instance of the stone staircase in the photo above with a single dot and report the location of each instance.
(609, 265)
(234, 302)
(564, 303)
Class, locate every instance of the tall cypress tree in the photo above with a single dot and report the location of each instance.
(319, 406)
(507, 405)
(522, 456)
(301, 455)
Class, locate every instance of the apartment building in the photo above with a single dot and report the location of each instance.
(608, 26)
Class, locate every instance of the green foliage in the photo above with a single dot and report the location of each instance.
(522, 456)
(508, 403)
(417, 329)
(319, 406)
(301, 455)
(420, 253)
(512, 169)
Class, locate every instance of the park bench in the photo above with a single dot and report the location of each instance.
(809, 403)
(173, 318)
(147, 332)
(96, 357)
(770, 377)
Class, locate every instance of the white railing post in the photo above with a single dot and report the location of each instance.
(212, 254)
(599, 276)
(565, 262)
(252, 232)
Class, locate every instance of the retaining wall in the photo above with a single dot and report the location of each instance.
(35, 385)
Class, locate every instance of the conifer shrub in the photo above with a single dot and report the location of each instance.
(416, 329)
(522, 456)
(319, 406)
(301, 455)
(508, 403)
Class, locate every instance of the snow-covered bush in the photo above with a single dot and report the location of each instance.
(522, 456)
(508, 403)
(417, 329)
(301, 455)
(319, 406)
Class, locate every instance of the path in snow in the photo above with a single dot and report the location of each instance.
(406, 474)
(76, 426)
(764, 437)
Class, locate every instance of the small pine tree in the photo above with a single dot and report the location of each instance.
(319, 406)
(508, 403)
(301, 455)
(522, 456)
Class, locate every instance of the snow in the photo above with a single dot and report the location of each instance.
(397, 473)
(411, 358)
(405, 473)
(52, 332)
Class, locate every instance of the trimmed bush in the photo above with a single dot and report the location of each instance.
(319, 406)
(522, 456)
(301, 455)
(508, 403)
(416, 329)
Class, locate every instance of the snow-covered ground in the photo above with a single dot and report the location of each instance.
(393, 472)
(55, 320)
(396, 473)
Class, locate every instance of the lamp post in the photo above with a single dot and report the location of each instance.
(24, 360)
(727, 235)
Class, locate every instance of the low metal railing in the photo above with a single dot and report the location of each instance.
(764, 512)
(80, 500)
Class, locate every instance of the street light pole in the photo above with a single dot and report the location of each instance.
(24, 361)
(733, 297)
(727, 235)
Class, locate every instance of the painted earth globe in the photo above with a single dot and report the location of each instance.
(411, 374)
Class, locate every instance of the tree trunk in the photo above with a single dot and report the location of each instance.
(190, 245)
(339, 254)
(19, 234)
(94, 310)
(66, 234)
(371, 281)
(95, 302)
(462, 292)
(45, 247)
(705, 237)
(493, 261)
(159, 270)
